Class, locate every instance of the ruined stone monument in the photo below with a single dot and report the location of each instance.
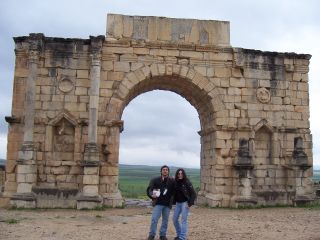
(69, 96)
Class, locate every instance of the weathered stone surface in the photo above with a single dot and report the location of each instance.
(169, 29)
(91, 179)
(67, 105)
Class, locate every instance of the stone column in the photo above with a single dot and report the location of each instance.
(112, 197)
(244, 166)
(90, 197)
(26, 162)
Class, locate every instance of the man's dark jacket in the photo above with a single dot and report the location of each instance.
(166, 197)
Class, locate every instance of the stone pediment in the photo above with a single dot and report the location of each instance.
(66, 115)
(263, 123)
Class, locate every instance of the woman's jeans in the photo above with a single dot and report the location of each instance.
(181, 229)
(156, 214)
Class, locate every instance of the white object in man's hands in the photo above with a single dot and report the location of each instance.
(156, 192)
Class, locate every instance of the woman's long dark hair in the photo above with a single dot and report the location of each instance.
(185, 178)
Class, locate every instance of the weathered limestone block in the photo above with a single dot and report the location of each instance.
(169, 29)
(141, 51)
(90, 190)
(121, 66)
(91, 170)
(91, 179)
(82, 74)
(222, 72)
(60, 170)
(108, 179)
(27, 169)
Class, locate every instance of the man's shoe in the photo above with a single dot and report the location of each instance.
(151, 238)
(176, 238)
(163, 238)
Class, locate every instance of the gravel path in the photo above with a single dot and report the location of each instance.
(133, 223)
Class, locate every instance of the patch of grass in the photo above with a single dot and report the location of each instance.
(11, 221)
(134, 180)
(121, 207)
(311, 205)
(316, 175)
(101, 208)
(265, 206)
(98, 216)
(249, 207)
(24, 209)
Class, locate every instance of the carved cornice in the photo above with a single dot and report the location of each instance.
(12, 119)
(114, 123)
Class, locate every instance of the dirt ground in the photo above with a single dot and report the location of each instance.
(133, 223)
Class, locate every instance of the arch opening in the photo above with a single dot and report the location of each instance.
(197, 97)
(160, 127)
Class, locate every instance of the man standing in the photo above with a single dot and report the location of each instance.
(160, 190)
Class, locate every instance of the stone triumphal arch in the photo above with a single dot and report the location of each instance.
(69, 95)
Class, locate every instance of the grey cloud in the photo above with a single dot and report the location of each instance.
(161, 119)
(161, 113)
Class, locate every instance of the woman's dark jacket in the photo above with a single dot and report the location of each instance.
(164, 199)
(183, 191)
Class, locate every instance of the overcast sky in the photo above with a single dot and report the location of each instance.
(161, 127)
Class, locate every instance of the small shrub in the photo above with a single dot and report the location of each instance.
(11, 221)
(311, 205)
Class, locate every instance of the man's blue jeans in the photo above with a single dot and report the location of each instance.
(181, 229)
(156, 214)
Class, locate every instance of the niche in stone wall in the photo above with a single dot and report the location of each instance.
(263, 146)
(63, 141)
(299, 156)
(62, 169)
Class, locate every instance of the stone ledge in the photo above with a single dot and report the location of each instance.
(90, 164)
(89, 199)
(302, 200)
(245, 201)
(12, 119)
(55, 191)
(23, 197)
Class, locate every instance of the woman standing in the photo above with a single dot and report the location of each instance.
(184, 198)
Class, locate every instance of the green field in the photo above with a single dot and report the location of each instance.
(134, 179)
(316, 175)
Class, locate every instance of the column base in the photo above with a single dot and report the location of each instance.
(23, 200)
(209, 199)
(91, 154)
(89, 202)
(113, 199)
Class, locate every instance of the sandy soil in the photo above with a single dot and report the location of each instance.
(133, 223)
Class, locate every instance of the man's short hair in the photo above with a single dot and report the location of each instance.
(164, 166)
